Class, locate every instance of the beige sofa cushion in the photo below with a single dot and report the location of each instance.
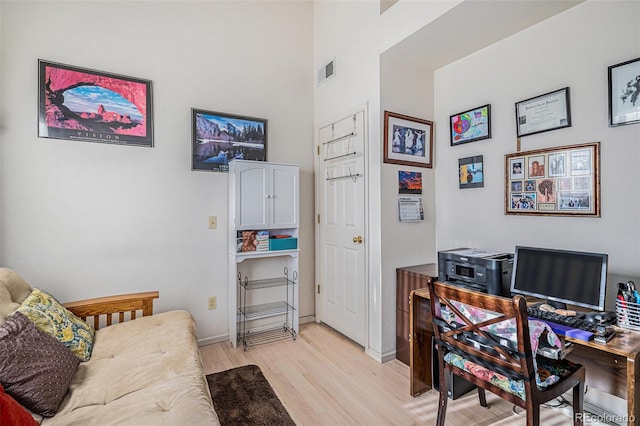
(142, 372)
(13, 291)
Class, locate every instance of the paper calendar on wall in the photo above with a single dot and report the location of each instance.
(410, 209)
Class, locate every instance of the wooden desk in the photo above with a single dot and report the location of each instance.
(611, 367)
(408, 278)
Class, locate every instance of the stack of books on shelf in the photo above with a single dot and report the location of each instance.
(253, 241)
(262, 240)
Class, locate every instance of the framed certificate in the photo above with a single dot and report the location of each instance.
(542, 113)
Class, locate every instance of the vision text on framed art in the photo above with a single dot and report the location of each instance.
(218, 138)
(624, 90)
(407, 140)
(560, 181)
(95, 106)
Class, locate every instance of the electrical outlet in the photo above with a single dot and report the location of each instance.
(213, 222)
(213, 302)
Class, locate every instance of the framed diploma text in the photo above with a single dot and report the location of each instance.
(543, 113)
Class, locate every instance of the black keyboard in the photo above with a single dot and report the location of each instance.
(577, 322)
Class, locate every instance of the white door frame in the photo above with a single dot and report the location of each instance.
(364, 108)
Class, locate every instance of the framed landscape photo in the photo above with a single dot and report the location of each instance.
(470, 126)
(218, 138)
(409, 182)
(408, 141)
(624, 92)
(560, 181)
(470, 172)
(543, 113)
(95, 106)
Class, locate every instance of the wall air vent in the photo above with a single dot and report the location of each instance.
(327, 71)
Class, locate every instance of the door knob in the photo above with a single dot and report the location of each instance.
(357, 239)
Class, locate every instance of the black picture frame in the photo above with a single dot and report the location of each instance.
(624, 93)
(218, 138)
(470, 126)
(471, 172)
(543, 113)
(82, 104)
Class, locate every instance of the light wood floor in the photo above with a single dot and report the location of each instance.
(323, 378)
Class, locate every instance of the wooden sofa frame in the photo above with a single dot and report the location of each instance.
(107, 307)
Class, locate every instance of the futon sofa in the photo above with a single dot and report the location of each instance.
(140, 371)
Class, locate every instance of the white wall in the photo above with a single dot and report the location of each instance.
(571, 49)
(358, 37)
(356, 34)
(404, 244)
(1, 96)
(86, 219)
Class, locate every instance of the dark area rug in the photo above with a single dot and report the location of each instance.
(243, 396)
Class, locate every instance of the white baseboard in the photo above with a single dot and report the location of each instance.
(307, 319)
(388, 356)
(211, 340)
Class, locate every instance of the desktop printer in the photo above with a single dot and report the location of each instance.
(480, 270)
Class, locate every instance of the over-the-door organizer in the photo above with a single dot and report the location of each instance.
(263, 278)
(341, 148)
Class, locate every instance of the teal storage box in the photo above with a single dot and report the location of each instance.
(283, 243)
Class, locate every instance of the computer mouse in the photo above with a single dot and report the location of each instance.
(593, 316)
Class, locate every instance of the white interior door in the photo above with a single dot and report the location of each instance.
(341, 301)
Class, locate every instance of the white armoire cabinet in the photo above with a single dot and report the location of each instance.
(263, 283)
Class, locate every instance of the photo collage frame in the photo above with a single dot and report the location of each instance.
(556, 181)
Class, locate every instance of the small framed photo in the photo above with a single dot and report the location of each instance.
(624, 92)
(536, 166)
(408, 141)
(516, 168)
(218, 138)
(470, 172)
(409, 182)
(557, 164)
(543, 113)
(87, 105)
(470, 126)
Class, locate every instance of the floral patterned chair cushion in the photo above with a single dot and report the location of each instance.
(547, 371)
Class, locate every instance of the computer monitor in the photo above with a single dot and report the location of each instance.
(560, 277)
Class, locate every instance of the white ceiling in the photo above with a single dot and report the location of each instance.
(471, 26)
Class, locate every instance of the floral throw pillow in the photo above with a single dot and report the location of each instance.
(51, 317)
